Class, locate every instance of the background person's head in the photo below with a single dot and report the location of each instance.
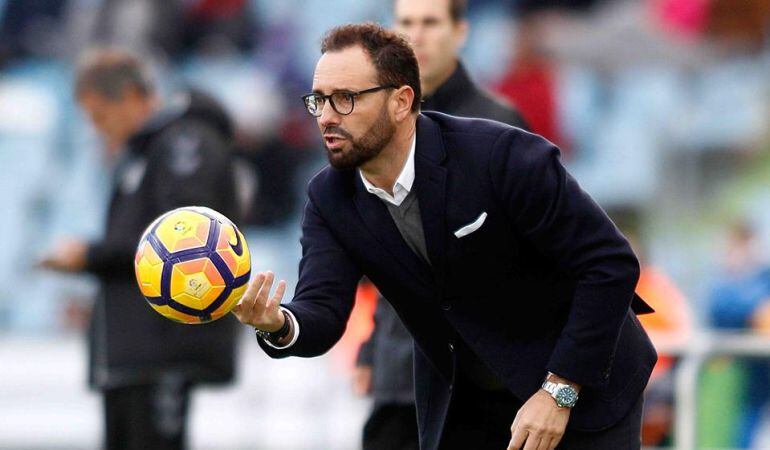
(437, 30)
(114, 90)
(355, 58)
(741, 251)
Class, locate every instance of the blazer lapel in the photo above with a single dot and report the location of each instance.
(379, 222)
(430, 183)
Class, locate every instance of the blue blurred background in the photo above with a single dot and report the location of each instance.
(661, 107)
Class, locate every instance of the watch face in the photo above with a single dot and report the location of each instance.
(566, 397)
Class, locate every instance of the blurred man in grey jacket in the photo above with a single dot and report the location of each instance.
(166, 155)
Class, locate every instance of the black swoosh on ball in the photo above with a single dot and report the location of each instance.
(238, 247)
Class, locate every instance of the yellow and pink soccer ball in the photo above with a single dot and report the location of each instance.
(192, 265)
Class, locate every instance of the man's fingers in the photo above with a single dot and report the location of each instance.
(257, 308)
(518, 438)
(554, 442)
(253, 288)
(545, 443)
(275, 300)
(245, 307)
(250, 296)
(264, 291)
(533, 442)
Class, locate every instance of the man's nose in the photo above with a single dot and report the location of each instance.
(417, 34)
(329, 116)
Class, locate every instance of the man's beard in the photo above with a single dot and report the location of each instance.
(364, 149)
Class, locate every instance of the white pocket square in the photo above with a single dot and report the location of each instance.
(471, 227)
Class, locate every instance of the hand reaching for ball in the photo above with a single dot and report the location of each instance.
(257, 307)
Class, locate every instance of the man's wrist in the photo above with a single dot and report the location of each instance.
(278, 335)
(552, 377)
(564, 392)
(288, 340)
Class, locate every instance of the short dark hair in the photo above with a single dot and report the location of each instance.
(458, 9)
(108, 72)
(390, 53)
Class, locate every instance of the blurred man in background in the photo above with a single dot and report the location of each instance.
(164, 158)
(437, 30)
(739, 301)
(670, 325)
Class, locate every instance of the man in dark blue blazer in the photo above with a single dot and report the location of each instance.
(518, 289)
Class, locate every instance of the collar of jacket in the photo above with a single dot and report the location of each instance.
(429, 148)
(430, 187)
(452, 93)
(157, 122)
(187, 103)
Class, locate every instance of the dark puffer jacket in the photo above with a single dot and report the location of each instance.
(181, 157)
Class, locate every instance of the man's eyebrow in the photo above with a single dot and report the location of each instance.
(319, 91)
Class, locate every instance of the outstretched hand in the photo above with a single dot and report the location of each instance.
(257, 307)
(68, 255)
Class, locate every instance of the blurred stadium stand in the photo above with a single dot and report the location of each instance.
(663, 107)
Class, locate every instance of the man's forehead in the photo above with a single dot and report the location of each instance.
(350, 68)
(420, 9)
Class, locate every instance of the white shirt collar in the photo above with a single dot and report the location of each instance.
(403, 182)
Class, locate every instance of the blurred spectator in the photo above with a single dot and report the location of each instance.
(147, 26)
(740, 24)
(530, 81)
(738, 301)
(177, 27)
(437, 30)
(31, 28)
(671, 324)
(165, 157)
(218, 26)
(686, 18)
(526, 7)
(745, 281)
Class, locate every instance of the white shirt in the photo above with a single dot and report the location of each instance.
(401, 189)
(403, 182)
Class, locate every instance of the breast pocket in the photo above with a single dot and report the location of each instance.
(472, 236)
(472, 227)
(484, 251)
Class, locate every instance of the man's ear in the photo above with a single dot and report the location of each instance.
(460, 34)
(402, 100)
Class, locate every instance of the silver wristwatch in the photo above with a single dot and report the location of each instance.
(565, 395)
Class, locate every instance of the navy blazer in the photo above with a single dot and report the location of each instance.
(546, 284)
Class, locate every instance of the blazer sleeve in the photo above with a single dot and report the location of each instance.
(549, 209)
(325, 292)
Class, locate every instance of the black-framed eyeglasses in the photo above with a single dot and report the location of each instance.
(343, 102)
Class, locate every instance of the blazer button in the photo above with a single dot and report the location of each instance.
(451, 347)
(446, 306)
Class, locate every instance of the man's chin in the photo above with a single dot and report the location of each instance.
(339, 159)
